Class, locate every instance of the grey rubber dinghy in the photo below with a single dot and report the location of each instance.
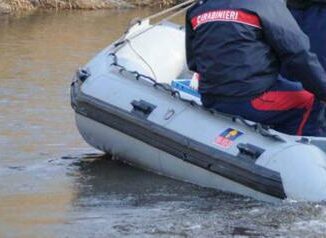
(133, 100)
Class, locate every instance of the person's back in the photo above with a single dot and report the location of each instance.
(311, 16)
(226, 53)
(238, 46)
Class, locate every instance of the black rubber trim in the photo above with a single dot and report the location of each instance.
(239, 170)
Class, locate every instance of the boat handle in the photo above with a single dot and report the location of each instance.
(142, 108)
(250, 151)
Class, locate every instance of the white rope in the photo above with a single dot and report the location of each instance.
(185, 6)
(169, 10)
(125, 39)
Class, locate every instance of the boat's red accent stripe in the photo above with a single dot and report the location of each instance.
(287, 100)
(226, 16)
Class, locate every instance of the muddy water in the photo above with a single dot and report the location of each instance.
(54, 185)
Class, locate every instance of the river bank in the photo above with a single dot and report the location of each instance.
(10, 6)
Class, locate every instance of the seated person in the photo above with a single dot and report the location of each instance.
(238, 47)
(311, 16)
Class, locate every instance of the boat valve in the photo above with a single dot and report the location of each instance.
(83, 74)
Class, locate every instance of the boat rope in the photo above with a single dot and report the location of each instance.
(127, 41)
(184, 8)
(162, 13)
(260, 128)
(142, 59)
(166, 87)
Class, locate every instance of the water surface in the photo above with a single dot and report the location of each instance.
(52, 184)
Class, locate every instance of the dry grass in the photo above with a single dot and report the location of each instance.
(16, 5)
(24, 5)
(154, 2)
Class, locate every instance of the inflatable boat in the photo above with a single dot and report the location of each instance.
(134, 101)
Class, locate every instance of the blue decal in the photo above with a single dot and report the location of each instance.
(183, 85)
(227, 138)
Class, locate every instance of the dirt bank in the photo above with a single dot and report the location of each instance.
(8, 6)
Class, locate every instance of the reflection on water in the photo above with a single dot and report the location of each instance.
(51, 183)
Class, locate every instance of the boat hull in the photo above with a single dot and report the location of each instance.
(144, 156)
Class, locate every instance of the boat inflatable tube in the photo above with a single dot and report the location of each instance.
(134, 101)
(158, 52)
